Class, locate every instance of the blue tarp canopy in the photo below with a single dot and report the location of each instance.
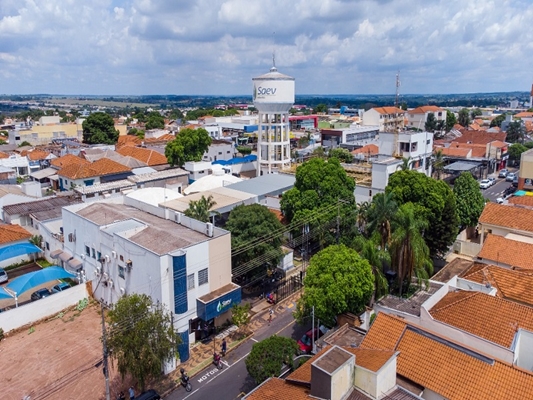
(237, 160)
(29, 281)
(4, 294)
(18, 249)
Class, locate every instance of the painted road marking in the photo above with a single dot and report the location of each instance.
(254, 339)
(291, 305)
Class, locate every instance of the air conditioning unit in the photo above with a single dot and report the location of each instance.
(105, 277)
(98, 271)
(82, 256)
(177, 218)
(209, 229)
(122, 291)
(114, 254)
(107, 258)
(110, 282)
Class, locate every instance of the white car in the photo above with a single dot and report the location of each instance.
(3, 276)
(484, 184)
(500, 200)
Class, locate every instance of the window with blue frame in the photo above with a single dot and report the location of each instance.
(87, 251)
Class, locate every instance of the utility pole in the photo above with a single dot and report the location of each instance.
(338, 221)
(313, 331)
(104, 343)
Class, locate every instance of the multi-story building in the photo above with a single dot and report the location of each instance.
(415, 146)
(417, 117)
(389, 119)
(525, 174)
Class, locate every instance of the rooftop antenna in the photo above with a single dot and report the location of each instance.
(273, 54)
(398, 83)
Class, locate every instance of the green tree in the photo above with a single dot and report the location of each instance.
(451, 120)
(321, 108)
(431, 123)
(25, 143)
(141, 337)
(438, 163)
(433, 197)
(136, 132)
(240, 315)
(515, 132)
(343, 155)
(377, 259)
(99, 128)
(200, 209)
(468, 198)
(464, 117)
(497, 121)
(380, 215)
(409, 252)
(406, 164)
(155, 121)
(189, 145)
(256, 236)
(516, 150)
(338, 280)
(528, 145)
(244, 150)
(176, 114)
(476, 112)
(267, 357)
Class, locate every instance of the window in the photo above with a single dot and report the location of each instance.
(87, 251)
(428, 141)
(219, 153)
(47, 245)
(190, 281)
(203, 277)
(94, 253)
(121, 258)
(98, 255)
(121, 271)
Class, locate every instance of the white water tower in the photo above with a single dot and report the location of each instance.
(273, 97)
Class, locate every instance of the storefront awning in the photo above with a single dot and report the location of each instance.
(56, 253)
(64, 256)
(75, 264)
(218, 302)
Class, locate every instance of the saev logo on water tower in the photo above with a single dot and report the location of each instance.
(274, 91)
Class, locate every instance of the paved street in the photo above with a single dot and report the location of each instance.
(496, 190)
(233, 381)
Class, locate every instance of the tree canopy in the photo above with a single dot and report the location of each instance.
(436, 203)
(468, 199)
(431, 123)
(254, 224)
(515, 132)
(338, 280)
(155, 121)
(189, 145)
(141, 337)
(200, 209)
(267, 357)
(343, 155)
(464, 117)
(497, 121)
(451, 120)
(99, 128)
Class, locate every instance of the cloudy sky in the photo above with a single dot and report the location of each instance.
(217, 46)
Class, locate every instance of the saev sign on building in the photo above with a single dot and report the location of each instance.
(271, 91)
(208, 307)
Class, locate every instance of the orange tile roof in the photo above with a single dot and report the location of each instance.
(529, 126)
(163, 138)
(303, 373)
(512, 285)
(149, 157)
(370, 359)
(3, 155)
(68, 159)
(425, 109)
(498, 144)
(479, 137)
(101, 167)
(389, 110)
(517, 218)
(526, 201)
(444, 369)
(276, 389)
(507, 251)
(128, 140)
(524, 114)
(455, 151)
(37, 155)
(368, 149)
(12, 233)
(489, 317)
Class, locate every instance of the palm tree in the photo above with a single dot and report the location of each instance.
(199, 209)
(380, 214)
(409, 252)
(438, 162)
(406, 164)
(376, 259)
(362, 215)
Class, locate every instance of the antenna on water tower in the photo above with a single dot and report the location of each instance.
(398, 83)
(273, 53)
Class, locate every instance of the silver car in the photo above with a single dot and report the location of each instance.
(3, 275)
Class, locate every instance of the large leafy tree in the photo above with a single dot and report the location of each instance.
(468, 198)
(464, 117)
(438, 163)
(433, 197)
(256, 236)
(141, 337)
(343, 155)
(516, 150)
(201, 209)
(267, 357)
(431, 123)
(409, 252)
(189, 145)
(451, 120)
(99, 128)
(338, 280)
(515, 132)
(380, 215)
(497, 121)
(155, 121)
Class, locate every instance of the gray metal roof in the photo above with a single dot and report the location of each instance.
(154, 176)
(43, 173)
(40, 205)
(105, 187)
(273, 184)
(462, 166)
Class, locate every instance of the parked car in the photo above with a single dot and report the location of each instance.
(500, 200)
(59, 287)
(306, 342)
(492, 180)
(515, 181)
(148, 395)
(484, 184)
(40, 294)
(509, 191)
(3, 276)
(503, 173)
(510, 176)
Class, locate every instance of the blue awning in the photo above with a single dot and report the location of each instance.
(29, 281)
(218, 302)
(4, 294)
(18, 249)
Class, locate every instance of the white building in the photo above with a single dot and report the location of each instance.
(387, 118)
(124, 246)
(417, 117)
(416, 146)
(219, 150)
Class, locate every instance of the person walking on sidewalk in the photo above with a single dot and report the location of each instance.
(224, 346)
(270, 313)
(131, 393)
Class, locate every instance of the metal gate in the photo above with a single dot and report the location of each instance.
(287, 287)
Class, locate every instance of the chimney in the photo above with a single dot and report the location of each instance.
(332, 374)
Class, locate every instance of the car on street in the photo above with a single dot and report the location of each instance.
(306, 342)
(502, 173)
(500, 200)
(40, 294)
(3, 276)
(492, 180)
(59, 287)
(510, 176)
(515, 181)
(148, 395)
(484, 184)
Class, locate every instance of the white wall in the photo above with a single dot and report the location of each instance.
(431, 395)
(342, 380)
(523, 346)
(365, 380)
(37, 310)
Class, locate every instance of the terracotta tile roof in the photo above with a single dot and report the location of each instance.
(524, 114)
(68, 159)
(512, 285)
(455, 267)
(446, 370)
(37, 155)
(518, 218)
(3, 155)
(370, 359)
(498, 144)
(368, 149)
(425, 109)
(479, 137)
(526, 201)
(150, 157)
(164, 138)
(489, 317)
(101, 167)
(529, 126)
(385, 333)
(303, 373)
(507, 251)
(12, 233)
(455, 151)
(276, 389)
(389, 110)
(128, 140)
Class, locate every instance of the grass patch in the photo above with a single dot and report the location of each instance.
(45, 263)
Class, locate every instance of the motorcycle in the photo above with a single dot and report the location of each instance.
(217, 360)
(270, 298)
(184, 380)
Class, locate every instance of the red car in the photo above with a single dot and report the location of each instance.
(306, 342)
